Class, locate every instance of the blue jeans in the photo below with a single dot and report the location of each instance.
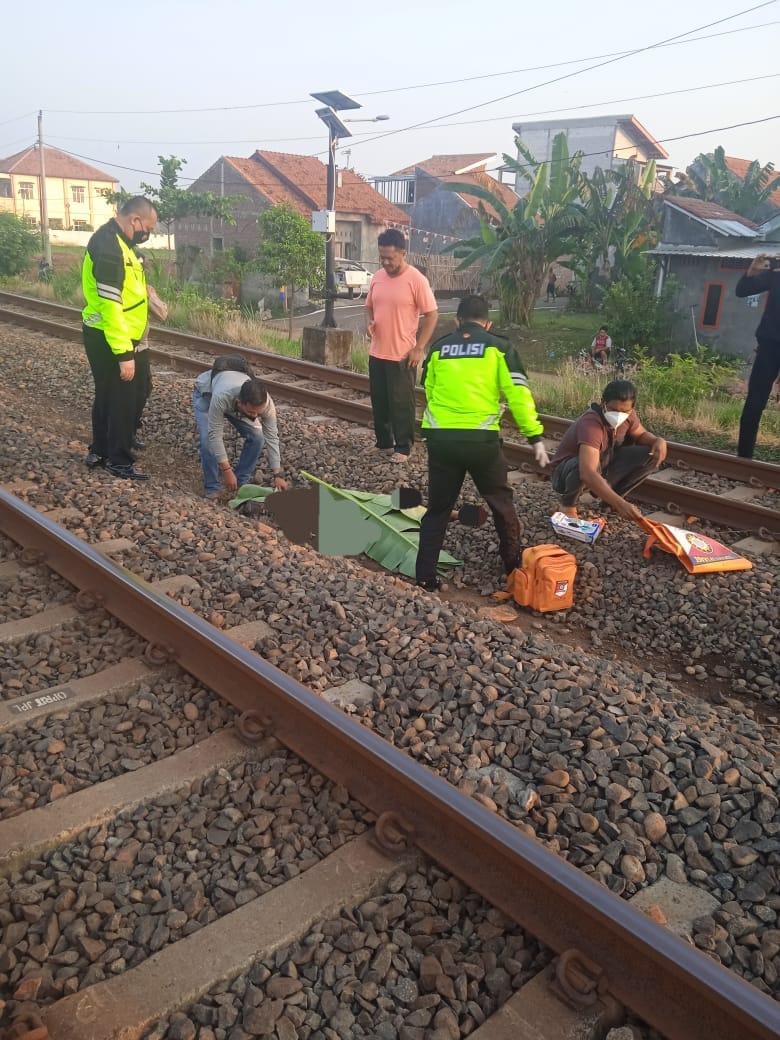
(251, 432)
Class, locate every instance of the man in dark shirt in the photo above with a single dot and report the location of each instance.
(762, 276)
(608, 451)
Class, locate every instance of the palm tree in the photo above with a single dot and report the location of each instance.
(516, 250)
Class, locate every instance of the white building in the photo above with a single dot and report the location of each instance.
(605, 141)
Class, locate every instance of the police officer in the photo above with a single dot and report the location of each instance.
(465, 375)
(115, 317)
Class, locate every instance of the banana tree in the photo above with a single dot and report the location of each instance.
(616, 219)
(710, 177)
(516, 246)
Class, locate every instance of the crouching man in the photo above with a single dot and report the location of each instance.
(245, 403)
(608, 451)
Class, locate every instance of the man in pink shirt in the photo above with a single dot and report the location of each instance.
(398, 295)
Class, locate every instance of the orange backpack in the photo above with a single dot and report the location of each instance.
(545, 581)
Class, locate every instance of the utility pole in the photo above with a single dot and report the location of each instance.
(329, 321)
(44, 210)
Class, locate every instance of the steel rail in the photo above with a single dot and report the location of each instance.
(669, 984)
(672, 498)
(683, 456)
(684, 501)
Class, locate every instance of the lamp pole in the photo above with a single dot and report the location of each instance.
(329, 321)
(335, 102)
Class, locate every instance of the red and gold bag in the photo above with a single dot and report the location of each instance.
(698, 553)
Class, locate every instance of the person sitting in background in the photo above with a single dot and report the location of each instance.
(608, 451)
(600, 347)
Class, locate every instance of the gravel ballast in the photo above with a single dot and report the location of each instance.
(606, 761)
(104, 903)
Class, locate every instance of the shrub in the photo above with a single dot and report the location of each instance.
(635, 314)
(681, 382)
(18, 245)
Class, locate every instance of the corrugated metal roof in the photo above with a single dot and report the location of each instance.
(737, 253)
(712, 214)
(733, 227)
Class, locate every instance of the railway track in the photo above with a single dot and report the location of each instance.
(76, 863)
(740, 507)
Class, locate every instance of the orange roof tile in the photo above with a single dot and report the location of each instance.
(739, 167)
(484, 180)
(301, 181)
(447, 165)
(58, 164)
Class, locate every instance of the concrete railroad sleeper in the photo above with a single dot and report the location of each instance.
(609, 950)
(683, 456)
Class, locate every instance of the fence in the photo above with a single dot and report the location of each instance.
(442, 273)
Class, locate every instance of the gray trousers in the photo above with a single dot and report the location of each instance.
(628, 468)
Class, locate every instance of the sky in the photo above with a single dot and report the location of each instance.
(118, 84)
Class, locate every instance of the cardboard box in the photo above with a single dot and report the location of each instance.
(580, 530)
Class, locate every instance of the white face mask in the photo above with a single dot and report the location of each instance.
(615, 419)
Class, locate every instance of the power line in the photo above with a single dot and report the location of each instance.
(19, 140)
(672, 42)
(15, 119)
(559, 64)
(614, 101)
(662, 140)
(434, 126)
(565, 76)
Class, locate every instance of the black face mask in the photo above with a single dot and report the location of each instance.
(139, 237)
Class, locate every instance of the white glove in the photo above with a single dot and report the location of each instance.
(540, 454)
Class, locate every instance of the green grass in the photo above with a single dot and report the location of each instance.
(709, 418)
(554, 336)
(710, 421)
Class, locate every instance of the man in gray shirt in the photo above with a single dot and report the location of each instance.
(247, 406)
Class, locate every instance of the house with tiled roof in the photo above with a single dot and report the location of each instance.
(438, 214)
(707, 249)
(74, 189)
(740, 167)
(266, 179)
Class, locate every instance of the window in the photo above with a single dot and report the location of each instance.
(713, 300)
(217, 245)
(26, 190)
(78, 192)
(5, 188)
(55, 223)
(733, 264)
(80, 225)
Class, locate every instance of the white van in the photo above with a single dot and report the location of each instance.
(351, 277)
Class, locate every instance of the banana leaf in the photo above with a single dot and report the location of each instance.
(250, 493)
(396, 547)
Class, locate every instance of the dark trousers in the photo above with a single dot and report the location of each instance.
(114, 406)
(392, 402)
(764, 372)
(143, 385)
(448, 464)
(630, 465)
